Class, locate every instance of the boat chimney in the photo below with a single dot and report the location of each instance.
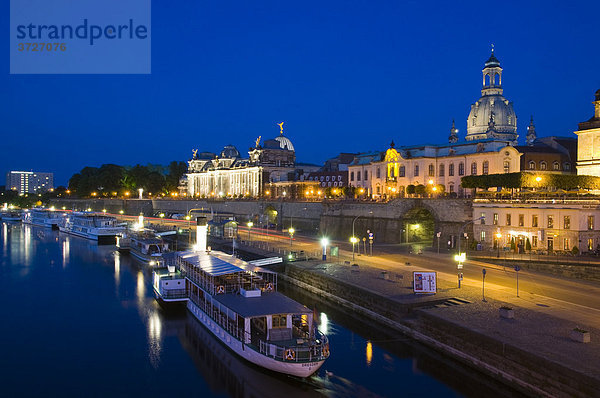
(201, 234)
(141, 221)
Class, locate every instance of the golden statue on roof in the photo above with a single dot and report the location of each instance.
(280, 127)
(258, 141)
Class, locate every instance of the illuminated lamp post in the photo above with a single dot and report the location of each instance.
(498, 236)
(250, 224)
(324, 244)
(291, 231)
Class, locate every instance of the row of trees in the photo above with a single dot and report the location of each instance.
(111, 179)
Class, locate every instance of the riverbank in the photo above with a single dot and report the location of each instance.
(531, 352)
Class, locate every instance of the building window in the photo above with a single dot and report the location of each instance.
(555, 166)
(534, 241)
(590, 244)
(531, 165)
(521, 220)
(550, 222)
(567, 222)
(378, 172)
(543, 165)
(508, 219)
(339, 178)
(335, 183)
(451, 169)
(351, 176)
(482, 236)
(358, 176)
(506, 166)
(473, 169)
(327, 178)
(366, 175)
(461, 169)
(567, 166)
(416, 170)
(441, 170)
(534, 220)
(401, 171)
(567, 244)
(590, 223)
(451, 188)
(431, 170)
(486, 168)
(495, 222)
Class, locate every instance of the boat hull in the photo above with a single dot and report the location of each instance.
(299, 369)
(101, 239)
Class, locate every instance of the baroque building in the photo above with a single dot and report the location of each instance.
(588, 145)
(489, 147)
(229, 174)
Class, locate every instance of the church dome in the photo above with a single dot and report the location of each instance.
(492, 116)
(284, 143)
(229, 152)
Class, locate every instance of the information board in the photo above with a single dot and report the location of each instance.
(424, 282)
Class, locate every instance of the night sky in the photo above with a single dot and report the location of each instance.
(345, 76)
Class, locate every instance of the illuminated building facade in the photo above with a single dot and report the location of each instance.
(230, 175)
(29, 181)
(588, 145)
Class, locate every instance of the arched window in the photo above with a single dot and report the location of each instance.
(461, 169)
(543, 165)
(567, 166)
(555, 166)
(531, 165)
(486, 167)
(473, 169)
(451, 169)
(402, 171)
(441, 170)
(506, 166)
(378, 172)
(431, 170)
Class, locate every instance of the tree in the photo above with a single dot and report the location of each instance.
(528, 245)
(410, 189)
(420, 189)
(513, 246)
(176, 171)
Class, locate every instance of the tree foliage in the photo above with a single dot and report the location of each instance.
(111, 179)
(531, 180)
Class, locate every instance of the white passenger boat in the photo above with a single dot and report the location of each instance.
(239, 304)
(11, 215)
(42, 217)
(101, 228)
(145, 245)
(169, 287)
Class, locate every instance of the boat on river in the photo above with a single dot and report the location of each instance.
(239, 304)
(101, 228)
(169, 287)
(42, 217)
(144, 244)
(11, 215)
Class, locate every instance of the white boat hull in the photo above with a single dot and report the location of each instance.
(299, 369)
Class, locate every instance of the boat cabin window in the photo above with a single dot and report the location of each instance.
(279, 321)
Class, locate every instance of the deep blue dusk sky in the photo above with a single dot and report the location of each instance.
(345, 76)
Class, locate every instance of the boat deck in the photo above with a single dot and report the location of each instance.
(267, 304)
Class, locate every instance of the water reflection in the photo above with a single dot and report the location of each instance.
(117, 269)
(4, 236)
(66, 251)
(369, 353)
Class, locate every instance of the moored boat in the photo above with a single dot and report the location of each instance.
(42, 217)
(101, 228)
(11, 215)
(169, 287)
(239, 304)
(147, 246)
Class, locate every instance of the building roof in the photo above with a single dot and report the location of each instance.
(216, 264)
(266, 304)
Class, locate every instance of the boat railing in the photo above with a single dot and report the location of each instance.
(174, 294)
(302, 351)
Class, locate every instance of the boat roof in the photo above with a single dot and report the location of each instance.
(266, 304)
(217, 264)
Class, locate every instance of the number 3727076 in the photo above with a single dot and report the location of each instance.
(39, 47)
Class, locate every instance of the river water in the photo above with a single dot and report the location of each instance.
(79, 320)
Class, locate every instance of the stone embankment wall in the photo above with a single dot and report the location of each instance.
(524, 371)
(574, 271)
(386, 220)
(333, 219)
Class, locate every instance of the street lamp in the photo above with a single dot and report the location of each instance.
(354, 240)
(460, 259)
(498, 236)
(291, 231)
(250, 224)
(324, 243)
(140, 191)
